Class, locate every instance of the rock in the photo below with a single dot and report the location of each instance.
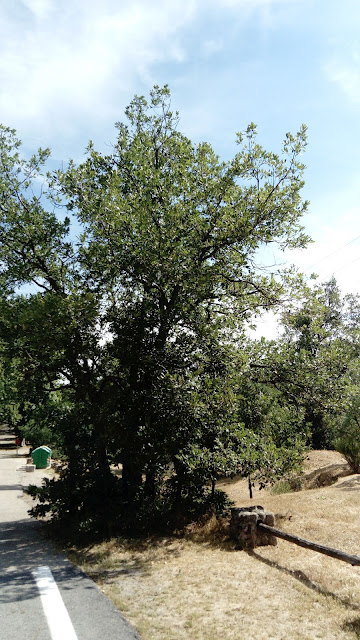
(244, 529)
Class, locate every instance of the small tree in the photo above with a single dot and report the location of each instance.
(348, 439)
(349, 445)
(309, 366)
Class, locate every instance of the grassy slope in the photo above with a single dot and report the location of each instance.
(174, 589)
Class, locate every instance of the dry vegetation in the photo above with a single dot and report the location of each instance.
(200, 587)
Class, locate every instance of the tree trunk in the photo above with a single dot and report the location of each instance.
(319, 440)
(150, 484)
(250, 487)
(213, 485)
(105, 484)
(131, 481)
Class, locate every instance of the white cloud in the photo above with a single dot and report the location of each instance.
(64, 64)
(335, 250)
(344, 70)
(253, 4)
(38, 7)
(59, 62)
(348, 80)
(272, 12)
(210, 47)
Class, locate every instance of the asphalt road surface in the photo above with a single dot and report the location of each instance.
(42, 595)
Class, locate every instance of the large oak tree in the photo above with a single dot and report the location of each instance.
(135, 324)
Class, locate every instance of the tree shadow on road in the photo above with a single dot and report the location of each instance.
(23, 548)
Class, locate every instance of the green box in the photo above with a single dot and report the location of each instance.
(41, 457)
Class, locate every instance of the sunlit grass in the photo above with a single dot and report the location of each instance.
(200, 587)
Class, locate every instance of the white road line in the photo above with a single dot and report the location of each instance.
(57, 617)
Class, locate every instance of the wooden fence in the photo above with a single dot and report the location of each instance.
(253, 527)
(301, 542)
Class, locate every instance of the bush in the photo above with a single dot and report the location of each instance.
(76, 506)
(349, 446)
(77, 511)
(287, 485)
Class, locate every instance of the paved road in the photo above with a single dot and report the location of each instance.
(23, 550)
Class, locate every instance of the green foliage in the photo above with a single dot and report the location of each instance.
(309, 367)
(287, 485)
(325, 341)
(349, 445)
(126, 348)
(348, 440)
(81, 505)
(264, 461)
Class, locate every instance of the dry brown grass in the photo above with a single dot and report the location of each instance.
(198, 588)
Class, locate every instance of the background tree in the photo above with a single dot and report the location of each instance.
(347, 439)
(310, 363)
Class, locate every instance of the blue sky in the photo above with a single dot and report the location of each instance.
(68, 69)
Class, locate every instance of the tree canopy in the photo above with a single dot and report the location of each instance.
(126, 346)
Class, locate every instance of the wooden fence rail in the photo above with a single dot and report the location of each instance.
(301, 542)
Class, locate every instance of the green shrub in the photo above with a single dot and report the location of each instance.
(287, 485)
(349, 446)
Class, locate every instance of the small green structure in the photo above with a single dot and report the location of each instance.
(41, 457)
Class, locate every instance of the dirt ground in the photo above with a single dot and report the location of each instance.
(197, 588)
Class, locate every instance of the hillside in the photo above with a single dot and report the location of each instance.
(197, 588)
